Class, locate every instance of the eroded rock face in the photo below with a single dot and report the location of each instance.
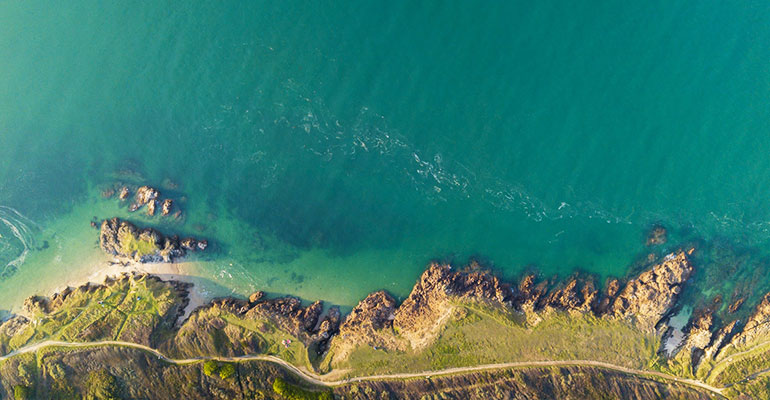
(124, 239)
(428, 303)
(647, 298)
(757, 326)
(286, 313)
(364, 323)
(124, 193)
(578, 294)
(698, 336)
(721, 337)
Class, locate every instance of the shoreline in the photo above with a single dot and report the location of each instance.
(177, 271)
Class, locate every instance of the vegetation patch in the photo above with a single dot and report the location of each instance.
(293, 392)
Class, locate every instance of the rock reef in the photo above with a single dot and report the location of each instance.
(123, 239)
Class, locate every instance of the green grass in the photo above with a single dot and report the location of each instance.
(477, 335)
(270, 338)
(142, 247)
(115, 312)
(735, 368)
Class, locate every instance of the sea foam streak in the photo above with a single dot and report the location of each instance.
(19, 225)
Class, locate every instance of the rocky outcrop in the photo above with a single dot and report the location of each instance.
(124, 193)
(721, 338)
(648, 298)
(144, 195)
(429, 303)
(365, 323)
(757, 326)
(698, 336)
(577, 294)
(166, 207)
(205, 330)
(125, 240)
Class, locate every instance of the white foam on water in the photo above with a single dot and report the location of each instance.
(19, 225)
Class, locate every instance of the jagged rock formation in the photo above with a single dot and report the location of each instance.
(366, 321)
(206, 331)
(166, 207)
(697, 336)
(376, 321)
(124, 239)
(757, 326)
(428, 305)
(144, 195)
(647, 298)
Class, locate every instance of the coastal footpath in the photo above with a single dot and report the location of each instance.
(461, 333)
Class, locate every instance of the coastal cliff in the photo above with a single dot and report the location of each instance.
(451, 318)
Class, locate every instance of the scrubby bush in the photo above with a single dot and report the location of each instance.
(101, 385)
(21, 392)
(227, 371)
(294, 392)
(210, 367)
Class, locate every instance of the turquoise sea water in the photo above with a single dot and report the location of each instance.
(331, 149)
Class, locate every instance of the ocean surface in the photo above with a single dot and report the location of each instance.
(328, 149)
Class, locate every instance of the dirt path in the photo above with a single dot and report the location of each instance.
(319, 379)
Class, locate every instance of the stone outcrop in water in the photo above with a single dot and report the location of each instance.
(144, 195)
(166, 207)
(124, 239)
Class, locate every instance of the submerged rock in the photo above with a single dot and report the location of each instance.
(657, 236)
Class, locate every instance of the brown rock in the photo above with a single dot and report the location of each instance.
(648, 297)
(734, 306)
(166, 207)
(123, 239)
(256, 296)
(757, 326)
(144, 195)
(151, 205)
(124, 193)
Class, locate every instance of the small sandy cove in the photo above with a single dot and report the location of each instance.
(178, 271)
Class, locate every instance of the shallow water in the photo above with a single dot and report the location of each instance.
(329, 150)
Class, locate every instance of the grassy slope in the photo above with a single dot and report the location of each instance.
(477, 335)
